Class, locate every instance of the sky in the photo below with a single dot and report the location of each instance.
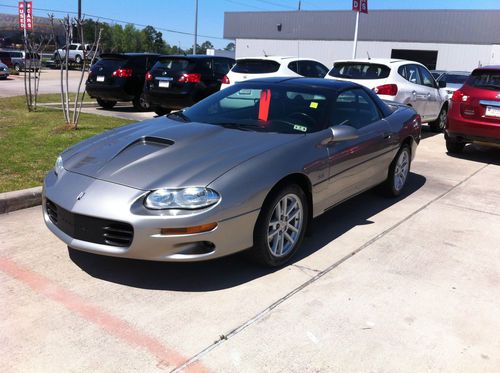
(178, 15)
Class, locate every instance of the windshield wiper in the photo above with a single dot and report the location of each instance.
(176, 115)
(239, 126)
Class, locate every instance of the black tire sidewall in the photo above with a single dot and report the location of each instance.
(391, 177)
(260, 249)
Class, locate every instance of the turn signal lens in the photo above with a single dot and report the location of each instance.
(189, 230)
(386, 89)
(225, 80)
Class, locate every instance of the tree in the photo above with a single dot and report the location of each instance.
(230, 47)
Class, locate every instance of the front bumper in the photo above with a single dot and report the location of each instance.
(124, 204)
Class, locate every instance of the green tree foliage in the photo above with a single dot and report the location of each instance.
(230, 47)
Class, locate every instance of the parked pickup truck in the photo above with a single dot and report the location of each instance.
(76, 53)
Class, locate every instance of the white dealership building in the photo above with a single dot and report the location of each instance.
(441, 39)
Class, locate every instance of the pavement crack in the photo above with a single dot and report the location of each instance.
(319, 275)
(471, 209)
(305, 269)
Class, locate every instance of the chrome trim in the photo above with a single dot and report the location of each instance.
(490, 103)
(168, 79)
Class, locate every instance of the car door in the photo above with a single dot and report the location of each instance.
(415, 89)
(358, 164)
(433, 101)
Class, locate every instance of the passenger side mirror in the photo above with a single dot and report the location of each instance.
(342, 133)
(442, 84)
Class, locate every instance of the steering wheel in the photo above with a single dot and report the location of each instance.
(306, 119)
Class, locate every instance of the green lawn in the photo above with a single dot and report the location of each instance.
(30, 142)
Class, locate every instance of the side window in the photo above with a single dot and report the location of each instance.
(427, 78)
(354, 107)
(413, 75)
(312, 69)
(221, 67)
(294, 66)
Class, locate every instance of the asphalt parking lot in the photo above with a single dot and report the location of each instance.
(383, 285)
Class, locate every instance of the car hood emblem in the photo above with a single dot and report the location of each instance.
(80, 196)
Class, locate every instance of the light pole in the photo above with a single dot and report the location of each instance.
(195, 25)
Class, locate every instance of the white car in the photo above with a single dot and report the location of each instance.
(266, 67)
(76, 53)
(406, 82)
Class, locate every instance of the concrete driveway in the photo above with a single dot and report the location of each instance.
(383, 285)
(49, 83)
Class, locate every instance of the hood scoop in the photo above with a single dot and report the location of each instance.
(149, 143)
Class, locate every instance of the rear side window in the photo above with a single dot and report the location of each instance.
(253, 66)
(356, 70)
(309, 69)
(488, 79)
(410, 73)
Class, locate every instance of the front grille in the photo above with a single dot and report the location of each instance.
(90, 229)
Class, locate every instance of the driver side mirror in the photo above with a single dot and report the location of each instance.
(442, 84)
(342, 133)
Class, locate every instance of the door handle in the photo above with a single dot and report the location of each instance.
(387, 135)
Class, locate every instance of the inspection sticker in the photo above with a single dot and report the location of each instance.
(300, 128)
(313, 105)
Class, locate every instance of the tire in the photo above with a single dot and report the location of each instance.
(269, 223)
(106, 104)
(78, 59)
(454, 146)
(439, 124)
(398, 172)
(141, 104)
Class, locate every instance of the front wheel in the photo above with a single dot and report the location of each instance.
(78, 59)
(106, 104)
(398, 173)
(439, 124)
(281, 226)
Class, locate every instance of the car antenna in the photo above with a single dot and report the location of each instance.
(368, 54)
(265, 54)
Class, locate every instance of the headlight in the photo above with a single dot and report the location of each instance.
(187, 198)
(58, 167)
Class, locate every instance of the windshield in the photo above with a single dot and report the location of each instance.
(489, 79)
(454, 78)
(357, 70)
(265, 108)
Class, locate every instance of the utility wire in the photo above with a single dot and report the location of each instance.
(117, 21)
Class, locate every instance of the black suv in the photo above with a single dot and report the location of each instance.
(120, 77)
(175, 82)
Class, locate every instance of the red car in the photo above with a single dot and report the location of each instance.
(474, 113)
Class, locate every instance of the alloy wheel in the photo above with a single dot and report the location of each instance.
(401, 170)
(285, 225)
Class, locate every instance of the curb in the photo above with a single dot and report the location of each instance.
(20, 199)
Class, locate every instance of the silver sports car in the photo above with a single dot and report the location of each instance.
(246, 168)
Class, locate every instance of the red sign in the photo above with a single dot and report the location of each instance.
(26, 15)
(360, 6)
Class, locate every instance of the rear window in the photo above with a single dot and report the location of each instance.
(109, 63)
(351, 70)
(255, 66)
(174, 65)
(488, 79)
(454, 78)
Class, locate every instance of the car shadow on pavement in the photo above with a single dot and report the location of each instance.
(427, 132)
(478, 153)
(236, 269)
(121, 109)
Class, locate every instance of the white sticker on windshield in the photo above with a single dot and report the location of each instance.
(300, 128)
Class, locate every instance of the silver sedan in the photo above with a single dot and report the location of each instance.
(246, 168)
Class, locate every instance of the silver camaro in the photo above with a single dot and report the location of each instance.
(246, 168)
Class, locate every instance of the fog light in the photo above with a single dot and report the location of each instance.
(188, 230)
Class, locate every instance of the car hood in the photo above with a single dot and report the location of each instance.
(166, 153)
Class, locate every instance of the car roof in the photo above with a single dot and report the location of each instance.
(306, 82)
(456, 72)
(124, 55)
(193, 56)
(276, 58)
(383, 61)
(490, 67)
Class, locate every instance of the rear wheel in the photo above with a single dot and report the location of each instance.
(140, 103)
(106, 104)
(398, 173)
(439, 124)
(281, 226)
(453, 146)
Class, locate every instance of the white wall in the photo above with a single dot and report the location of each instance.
(450, 56)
